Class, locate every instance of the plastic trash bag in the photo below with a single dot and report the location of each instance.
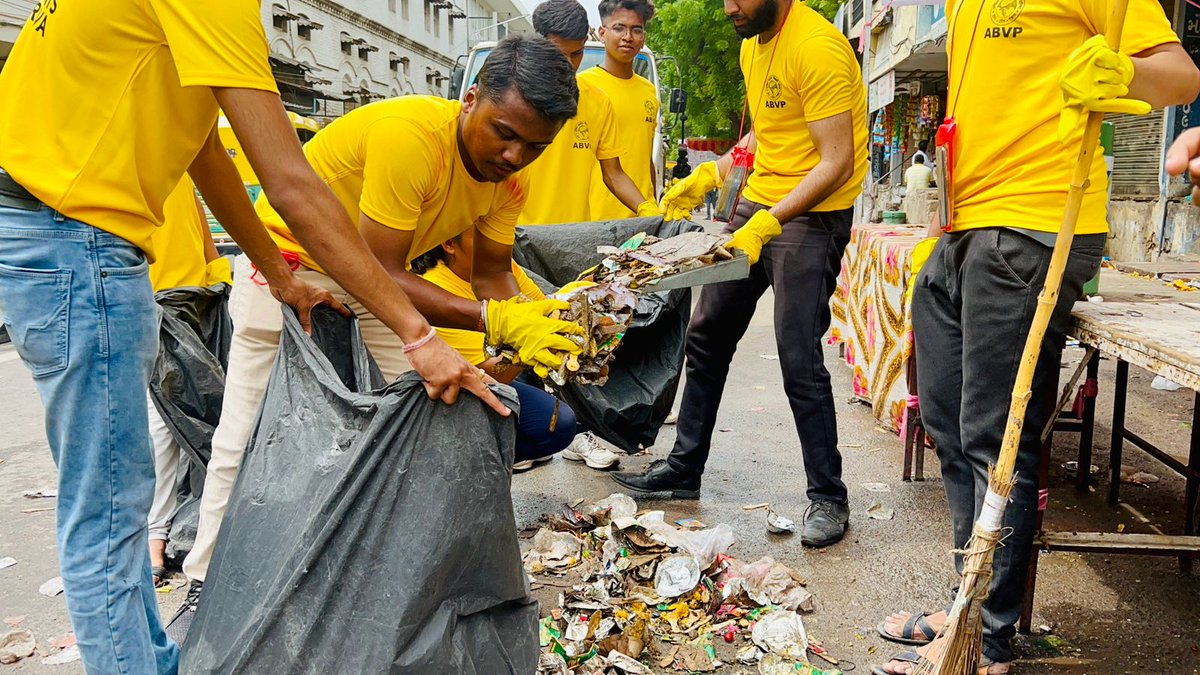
(630, 409)
(187, 386)
(371, 529)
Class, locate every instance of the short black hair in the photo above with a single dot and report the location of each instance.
(538, 70)
(919, 159)
(643, 8)
(565, 18)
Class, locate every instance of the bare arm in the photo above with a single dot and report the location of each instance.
(1164, 75)
(834, 140)
(323, 226)
(620, 184)
(491, 270)
(392, 247)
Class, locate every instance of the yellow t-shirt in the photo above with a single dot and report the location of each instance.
(560, 181)
(397, 162)
(635, 106)
(1010, 170)
(918, 177)
(105, 103)
(469, 343)
(814, 76)
(179, 242)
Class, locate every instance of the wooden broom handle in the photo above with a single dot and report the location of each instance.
(1048, 298)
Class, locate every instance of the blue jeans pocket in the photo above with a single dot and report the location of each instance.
(35, 305)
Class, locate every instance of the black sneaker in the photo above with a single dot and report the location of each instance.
(824, 523)
(177, 628)
(660, 478)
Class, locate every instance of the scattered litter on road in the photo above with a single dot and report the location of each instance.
(726, 430)
(44, 493)
(690, 524)
(68, 655)
(7, 562)
(1161, 383)
(647, 592)
(769, 357)
(877, 487)
(777, 524)
(782, 633)
(41, 510)
(14, 620)
(1071, 469)
(755, 507)
(878, 511)
(16, 645)
(52, 587)
(1140, 478)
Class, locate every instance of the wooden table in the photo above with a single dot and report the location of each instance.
(1163, 337)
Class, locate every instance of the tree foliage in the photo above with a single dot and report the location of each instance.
(705, 47)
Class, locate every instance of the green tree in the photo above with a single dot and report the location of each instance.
(702, 41)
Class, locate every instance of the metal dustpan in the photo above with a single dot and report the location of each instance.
(733, 269)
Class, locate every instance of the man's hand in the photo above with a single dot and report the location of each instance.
(688, 193)
(1095, 79)
(446, 372)
(302, 297)
(527, 328)
(751, 237)
(1184, 156)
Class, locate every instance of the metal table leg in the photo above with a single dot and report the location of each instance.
(1083, 477)
(1120, 385)
(1192, 481)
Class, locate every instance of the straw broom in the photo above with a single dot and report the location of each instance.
(963, 633)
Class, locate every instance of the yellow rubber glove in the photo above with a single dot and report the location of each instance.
(647, 209)
(527, 328)
(920, 254)
(574, 286)
(218, 272)
(687, 194)
(751, 237)
(1095, 79)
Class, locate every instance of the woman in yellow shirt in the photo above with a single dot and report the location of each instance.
(546, 425)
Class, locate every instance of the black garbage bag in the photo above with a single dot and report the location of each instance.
(187, 386)
(630, 409)
(371, 530)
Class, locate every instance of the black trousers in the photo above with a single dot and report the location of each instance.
(972, 308)
(802, 267)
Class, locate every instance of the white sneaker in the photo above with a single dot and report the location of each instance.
(586, 448)
(528, 464)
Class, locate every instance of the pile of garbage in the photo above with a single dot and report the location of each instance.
(645, 591)
(645, 259)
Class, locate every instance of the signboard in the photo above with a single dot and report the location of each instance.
(882, 91)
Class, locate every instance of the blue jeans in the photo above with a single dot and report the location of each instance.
(535, 439)
(78, 305)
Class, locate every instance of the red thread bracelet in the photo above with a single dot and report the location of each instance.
(414, 346)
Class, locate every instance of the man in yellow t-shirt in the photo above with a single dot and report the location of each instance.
(1013, 68)
(806, 97)
(561, 181)
(545, 425)
(634, 100)
(103, 107)
(412, 172)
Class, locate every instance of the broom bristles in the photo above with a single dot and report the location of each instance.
(961, 640)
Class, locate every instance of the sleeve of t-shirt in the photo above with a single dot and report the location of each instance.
(608, 142)
(398, 172)
(1146, 25)
(528, 288)
(500, 223)
(216, 43)
(826, 87)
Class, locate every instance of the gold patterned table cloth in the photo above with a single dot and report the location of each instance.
(871, 318)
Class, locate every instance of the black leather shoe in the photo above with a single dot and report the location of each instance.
(660, 478)
(824, 523)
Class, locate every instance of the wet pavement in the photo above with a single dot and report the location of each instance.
(1106, 614)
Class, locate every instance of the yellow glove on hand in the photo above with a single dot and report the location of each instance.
(687, 194)
(920, 254)
(648, 209)
(1095, 79)
(575, 285)
(751, 237)
(527, 328)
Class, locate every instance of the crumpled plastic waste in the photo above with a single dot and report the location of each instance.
(644, 259)
(16, 645)
(605, 312)
(782, 633)
(646, 592)
(777, 524)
